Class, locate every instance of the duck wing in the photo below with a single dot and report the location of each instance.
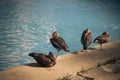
(89, 39)
(43, 59)
(86, 39)
(60, 43)
(102, 39)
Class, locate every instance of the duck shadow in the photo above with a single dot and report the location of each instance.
(76, 52)
(91, 48)
(35, 65)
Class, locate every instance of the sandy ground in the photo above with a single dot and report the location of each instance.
(71, 63)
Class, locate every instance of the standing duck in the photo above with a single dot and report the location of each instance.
(86, 39)
(58, 42)
(104, 38)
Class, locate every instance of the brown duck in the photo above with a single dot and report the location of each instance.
(104, 38)
(86, 39)
(43, 59)
(58, 42)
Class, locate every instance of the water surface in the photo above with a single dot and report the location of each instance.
(26, 25)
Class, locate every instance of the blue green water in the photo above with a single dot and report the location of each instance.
(26, 25)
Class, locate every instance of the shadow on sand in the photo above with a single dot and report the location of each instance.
(91, 48)
(76, 52)
(35, 65)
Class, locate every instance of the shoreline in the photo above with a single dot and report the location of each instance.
(69, 63)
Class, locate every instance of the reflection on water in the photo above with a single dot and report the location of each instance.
(26, 25)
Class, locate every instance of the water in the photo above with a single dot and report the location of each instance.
(26, 25)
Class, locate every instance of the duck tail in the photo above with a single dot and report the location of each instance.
(67, 50)
(95, 41)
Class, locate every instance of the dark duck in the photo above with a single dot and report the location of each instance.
(86, 39)
(58, 42)
(44, 60)
(104, 38)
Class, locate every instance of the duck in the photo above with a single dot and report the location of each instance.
(86, 39)
(58, 43)
(43, 59)
(103, 38)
